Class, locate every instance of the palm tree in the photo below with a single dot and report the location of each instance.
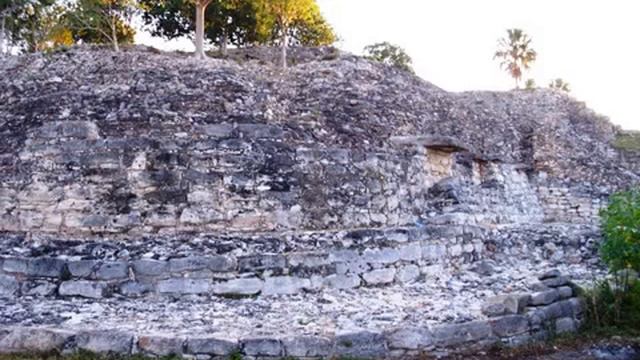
(515, 53)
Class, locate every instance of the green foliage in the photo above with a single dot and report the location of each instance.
(530, 84)
(613, 308)
(515, 54)
(389, 54)
(238, 22)
(620, 249)
(559, 84)
(29, 23)
(101, 21)
(629, 140)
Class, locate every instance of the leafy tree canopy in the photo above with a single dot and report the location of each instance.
(101, 21)
(238, 22)
(621, 229)
(389, 54)
(515, 54)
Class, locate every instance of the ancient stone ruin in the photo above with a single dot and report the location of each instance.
(154, 204)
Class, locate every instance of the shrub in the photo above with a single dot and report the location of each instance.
(621, 231)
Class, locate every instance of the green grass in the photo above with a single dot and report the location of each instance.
(629, 140)
(79, 355)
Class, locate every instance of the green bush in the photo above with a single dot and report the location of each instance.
(621, 231)
(610, 309)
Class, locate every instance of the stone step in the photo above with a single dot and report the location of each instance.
(446, 312)
(267, 264)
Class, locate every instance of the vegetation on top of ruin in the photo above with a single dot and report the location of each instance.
(628, 140)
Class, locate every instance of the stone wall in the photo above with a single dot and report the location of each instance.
(243, 177)
(273, 264)
(512, 319)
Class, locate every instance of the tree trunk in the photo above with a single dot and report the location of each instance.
(223, 43)
(201, 6)
(285, 43)
(3, 37)
(114, 34)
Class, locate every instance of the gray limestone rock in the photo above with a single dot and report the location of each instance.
(242, 287)
(83, 288)
(307, 346)
(161, 345)
(410, 338)
(262, 347)
(211, 346)
(284, 285)
(105, 341)
(380, 276)
(544, 297)
(184, 286)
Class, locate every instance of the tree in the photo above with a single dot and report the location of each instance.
(530, 84)
(102, 21)
(515, 54)
(389, 54)
(285, 13)
(27, 23)
(235, 22)
(559, 84)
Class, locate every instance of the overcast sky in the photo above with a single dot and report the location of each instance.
(593, 45)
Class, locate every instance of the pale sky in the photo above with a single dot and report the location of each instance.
(593, 45)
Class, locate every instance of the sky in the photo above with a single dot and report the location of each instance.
(593, 45)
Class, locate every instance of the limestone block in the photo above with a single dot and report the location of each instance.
(211, 346)
(410, 338)
(33, 340)
(113, 270)
(307, 347)
(410, 252)
(82, 288)
(284, 285)
(457, 334)
(134, 289)
(242, 287)
(161, 345)
(45, 267)
(364, 344)
(564, 325)
(184, 286)
(255, 263)
(82, 268)
(565, 292)
(262, 347)
(342, 281)
(407, 274)
(380, 276)
(510, 325)
(217, 263)
(38, 288)
(105, 341)
(555, 281)
(202, 197)
(544, 297)
(148, 267)
(200, 215)
(381, 256)
(9, 286)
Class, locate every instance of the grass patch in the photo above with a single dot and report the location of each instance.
(79, 355)
(629, 140)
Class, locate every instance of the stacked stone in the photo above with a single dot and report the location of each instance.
(512, 319)
(358, 258)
